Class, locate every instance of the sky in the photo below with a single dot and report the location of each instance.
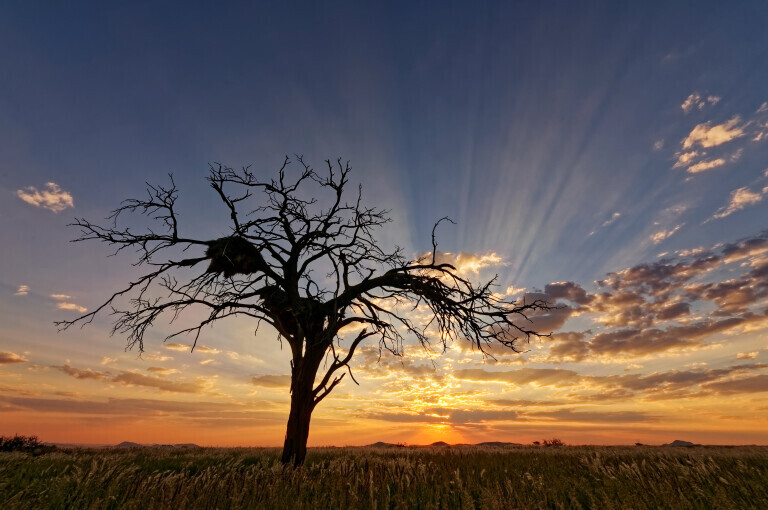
(612, 156)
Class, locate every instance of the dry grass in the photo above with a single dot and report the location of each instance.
(456, 477)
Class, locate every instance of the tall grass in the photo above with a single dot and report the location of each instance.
(377, 478)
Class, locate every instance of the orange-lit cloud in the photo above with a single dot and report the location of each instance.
(52, 197)
(7, 358)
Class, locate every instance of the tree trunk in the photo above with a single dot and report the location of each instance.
(302, 405)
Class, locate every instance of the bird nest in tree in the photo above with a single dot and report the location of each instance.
(232, 255)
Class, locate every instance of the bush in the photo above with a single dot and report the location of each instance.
(28, 444)
(553, 442)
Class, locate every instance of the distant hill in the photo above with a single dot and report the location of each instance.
(680, 442)
(381, 444)
(498, 443)
(439, 443)
(129, 444)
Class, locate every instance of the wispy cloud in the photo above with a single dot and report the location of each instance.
(52, 197)
(65, 305)
(23, 290)
(615, 216)
(188, 347)
(7, 358)
(133, 379)
(703, 166)
(740, 199)
(271, 381)
(662, 235)
(696, 101)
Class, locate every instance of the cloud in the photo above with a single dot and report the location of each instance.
(52, 198)
(146, 408)
(7, 358)
(740, 199)
(706, 135)
(134, 379)
(271, 381)
(747, 355)
(107, 360)
(162, 372)
(177, 347)
(188, 347)
(615, 216)
(658, 145)
(696, 101)
(131, 379)
(519, 377)
(23, 290)
(754, 384)
(763, 108)
(569, 415)
(703, 166)
(567, 290)
(84, 373)
(662, 235)
(65, 305)
(685, 158)
(467, 262)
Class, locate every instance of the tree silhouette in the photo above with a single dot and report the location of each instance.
(265, 267)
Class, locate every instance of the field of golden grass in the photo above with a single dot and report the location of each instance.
(526, 477)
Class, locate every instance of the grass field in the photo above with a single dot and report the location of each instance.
(411, 477)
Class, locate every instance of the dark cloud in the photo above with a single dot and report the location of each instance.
(636, 341)
(568, 290)
(569, 345)
(754, 384)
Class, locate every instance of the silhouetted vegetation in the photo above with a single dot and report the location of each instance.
(26, 444)
(526, 477)
(300, 254)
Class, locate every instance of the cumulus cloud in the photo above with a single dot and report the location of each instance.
(650, 307)
(662, 235)
(747, 355)
(467, 262)
(740, 199)
(7, 358)
(706, 135)
(23, 290)
(52, 197)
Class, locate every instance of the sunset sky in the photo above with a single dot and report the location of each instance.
(611, 155)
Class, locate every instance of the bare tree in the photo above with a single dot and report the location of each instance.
(265, 267)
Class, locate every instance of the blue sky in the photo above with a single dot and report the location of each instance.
(571, 140)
